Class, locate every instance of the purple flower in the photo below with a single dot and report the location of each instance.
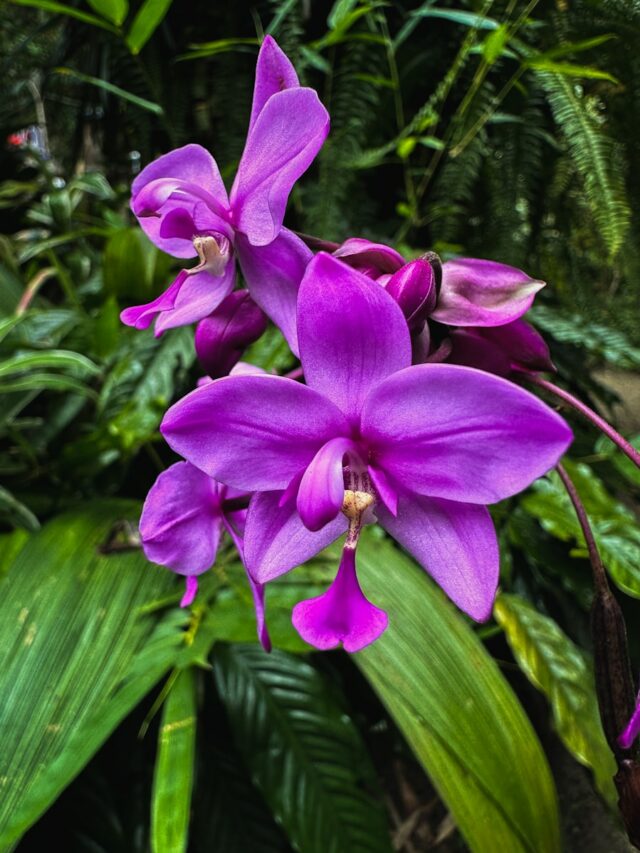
(474, 292)
(423, 449)
(223, 336)
(182, 520)
(183, 207)
(515, 347)
(631, 732)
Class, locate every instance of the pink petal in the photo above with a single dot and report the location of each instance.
(455, 543)
(469, 347)
(351, 333)
(181, 518)
(273, 274)
(632, 730)
(191, 166)
(321, 492)
(274, 73)
(252, 432)
(223, 336)
(276, 540)
(190, 590)
(342, 614)
(286, 137)
(199, 295)
(483, 293)
(142, 316)
(375, 257)
(461, 434)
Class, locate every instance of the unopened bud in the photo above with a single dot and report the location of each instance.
(414, 289)
(222, 337)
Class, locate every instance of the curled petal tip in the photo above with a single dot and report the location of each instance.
(191, 588)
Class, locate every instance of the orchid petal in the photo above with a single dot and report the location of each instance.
(252, 432)
(483, 293)
(199, 295)
(457, 433)
(342, 614)
(286, 137)
(471, 348)
(273, 274)
(142, 316)
(190, 590)
(351, 333)
(321, 492)
(277, 541)
(363, 254)
(223, 336)
(274, 73)
(455, 543)
(387, 493)
(258, 593)
(632, 729)
(181, 520)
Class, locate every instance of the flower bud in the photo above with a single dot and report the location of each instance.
(371, 259)
(222, 337)
(414, 289)
(516, 346)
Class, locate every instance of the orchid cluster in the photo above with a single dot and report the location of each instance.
(402, 412)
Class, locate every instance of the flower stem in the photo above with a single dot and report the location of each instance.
(625, 446)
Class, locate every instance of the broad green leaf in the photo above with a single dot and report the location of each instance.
(562, 671)
(143, 103)
(339, 12)
(457, 712)
(458, 16)
(622, 463)
(81, 643)
(113, 10)
(173, 775)
(302, 749)
(10, 546)
(128, 265)
(45, 382)
(146, 22)
(615, 527)
(63, 9)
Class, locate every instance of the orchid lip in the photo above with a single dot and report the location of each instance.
(214, 253)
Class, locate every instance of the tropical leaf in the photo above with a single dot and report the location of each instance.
(614, 526)
(113, 10)
(149, 17)
(458, 714)
(173, 776)
(70, 11)
(562, 671)
(302, 750)
(81, 643)
(106, 86)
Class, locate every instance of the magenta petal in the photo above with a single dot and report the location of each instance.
(191, 165)
(190, 590)
(274, 73)
(351, 333)
(522, 344)
(276, 540)
(273, 274)
(258, 593)
(342, 614)
(223, 336)
(375, 257)
(252, 432)
(483, 293)
(455, 543)
(457, 433)
(469, 347)
(321, 492)
(413, 287)
(179, 224)
(180, 523)
(283, 142)
(142, 316)
(199, 295)
(632, 730)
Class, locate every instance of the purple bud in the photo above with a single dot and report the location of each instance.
(516, 346)
(223, 336)
(414, 289)
(371, 259)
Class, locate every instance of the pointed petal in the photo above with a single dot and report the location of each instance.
(191, 165)
(276, 540)
(190, 590)
(274, 73)
(632, 730)
(199, 295)
(223, 335)
(142, 316)
(273, 274)
(321, 491)
(483, 293)
(252, 432)
(351, 333)
(472, 349)
(282, 144)
(455, 543)
(258, 593)
(181, 520)
(342, 614)
(461, 434)
(362, 254)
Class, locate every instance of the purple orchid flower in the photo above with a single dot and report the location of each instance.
(473, 292)
(423, 449)
(222, 337)
(183, 207)
(632, 730)
(515, 347)
(182, 521)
